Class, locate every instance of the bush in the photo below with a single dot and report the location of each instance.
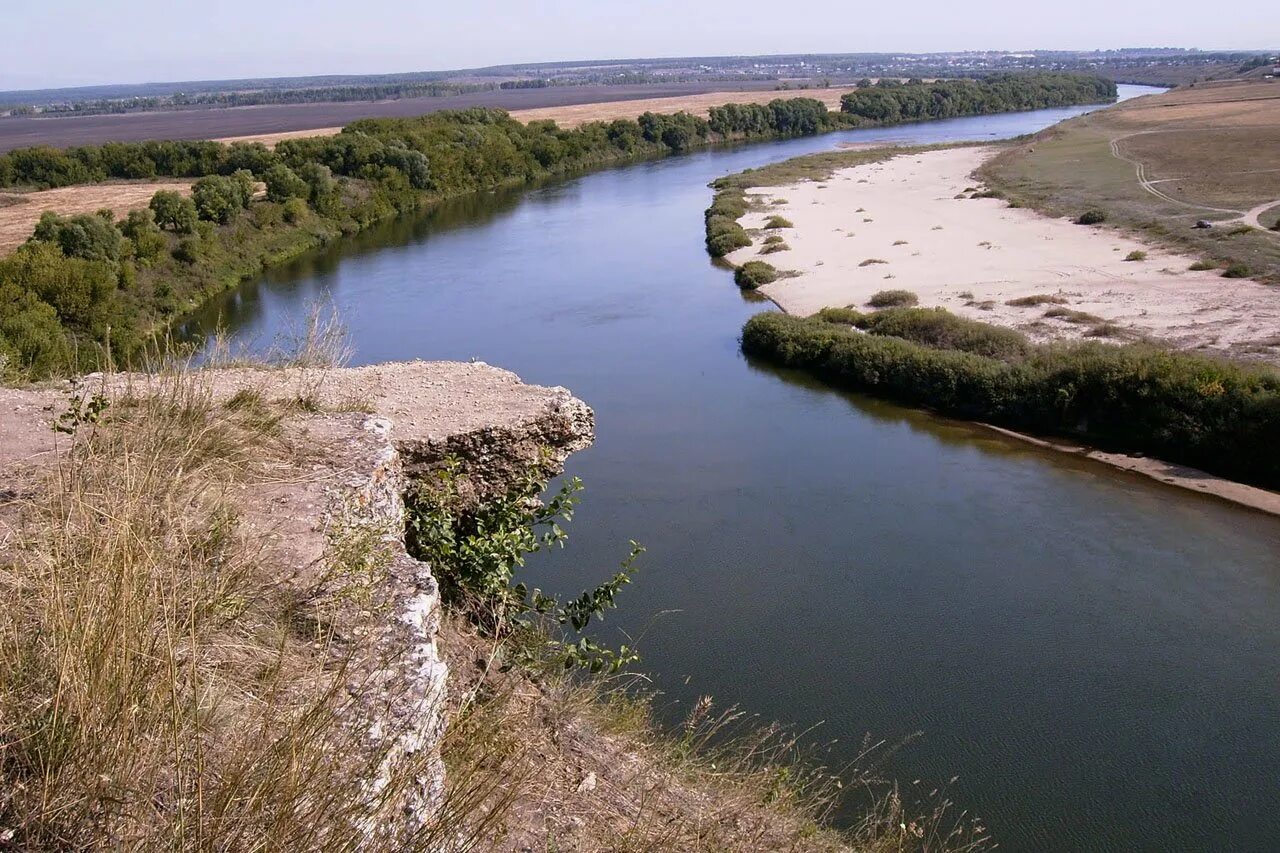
(1198, 411)
(753, 274)
(1136, 255)
(1092, 216)
(724, 235)
(295, 210)
(1201, 266)
(1236, 270)
(893, 299)
(940, 329)
(284, 184)
(174, 211)
(189, 250)
(841, 316)
(775, 222)
(1036, 299)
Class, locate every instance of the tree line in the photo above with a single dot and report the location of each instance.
(891, 102)
(88, 287)
(1205, 412)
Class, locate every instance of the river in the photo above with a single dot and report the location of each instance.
(1094, 655)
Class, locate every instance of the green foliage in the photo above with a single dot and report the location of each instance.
(91, 237)
(1201, 266)
(753, 274)
(1093, 216)
(1136, 255)
(1214, 415)
(1236, 270)
(841, 316)
(476, 553)
(218, 198)
(889, 102)
(940, 329)
(892, 298)
(774, 222)
(724, 235)
(174, 211)
(284, 184)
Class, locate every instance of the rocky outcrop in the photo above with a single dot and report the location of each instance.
(363, 435)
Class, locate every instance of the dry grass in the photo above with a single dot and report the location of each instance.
(585, 766)
(19, 212)
(166, 685)
(1204, 152)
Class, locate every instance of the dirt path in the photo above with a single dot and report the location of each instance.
(1242, 217)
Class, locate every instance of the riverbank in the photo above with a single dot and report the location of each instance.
(1158, 164)
(134, 279)
(921, 222)
(275, 519)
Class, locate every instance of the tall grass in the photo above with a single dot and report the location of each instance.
(164, 684)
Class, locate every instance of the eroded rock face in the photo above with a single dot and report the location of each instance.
(368, 434)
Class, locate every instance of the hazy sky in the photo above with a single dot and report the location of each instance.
(72, 42)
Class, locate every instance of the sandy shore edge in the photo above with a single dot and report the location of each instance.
(978, 265)
(1178, 476)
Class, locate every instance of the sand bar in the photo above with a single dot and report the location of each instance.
(897, 224)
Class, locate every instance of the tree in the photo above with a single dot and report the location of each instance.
(283, 184)
(174, 211)
(217, 198)
(140, 228)
(90, 237)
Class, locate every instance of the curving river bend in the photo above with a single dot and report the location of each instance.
(1096, 656)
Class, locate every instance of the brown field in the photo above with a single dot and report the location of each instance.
(269, 120)
(19, 212)
(571, 116)
(1160, 163)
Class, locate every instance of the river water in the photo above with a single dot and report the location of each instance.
(1094, 655)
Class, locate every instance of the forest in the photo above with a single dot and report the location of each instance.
(87, 290)
(892, 102)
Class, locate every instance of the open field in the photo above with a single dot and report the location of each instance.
(22, 131)
(19, 212)
(908, 223)
(1160, 163)
(571, 116)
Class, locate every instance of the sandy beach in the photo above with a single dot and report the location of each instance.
(898, 224)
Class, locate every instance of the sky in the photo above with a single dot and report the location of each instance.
(81, 42)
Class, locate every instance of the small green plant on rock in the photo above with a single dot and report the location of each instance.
(476, 552)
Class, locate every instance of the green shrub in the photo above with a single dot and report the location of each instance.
(1093, 216)
(773, 248)
(775, 222)
(1136, 255)
(773, 239)
(1236, 270)
(892, 298)
(842, 316)
(940, 329)
(725, 235)
(1214, 415)
(752, 274)
(1072, 316)
(295, 210)
(1202, 265)
(1034, 300)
